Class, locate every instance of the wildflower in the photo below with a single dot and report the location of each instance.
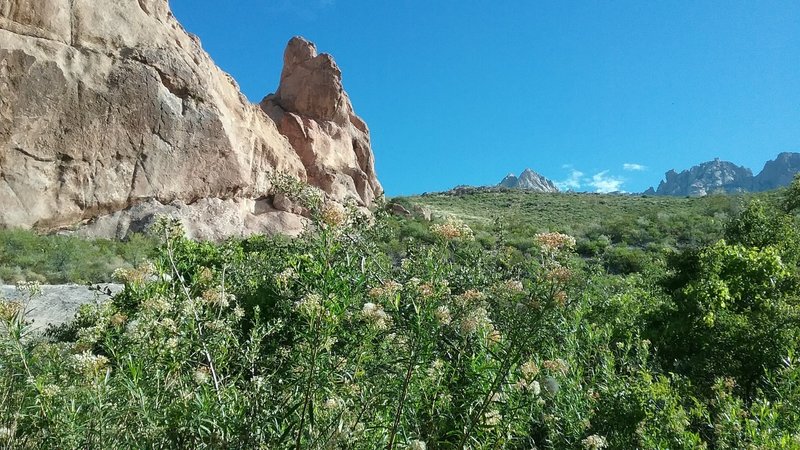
(560, 297)
(559, 274)
(442, 314)
(594, 442)
(535, 388)
(375, 315)
(529, 370)
(238, 312)
(118, 319)
(168, 325)
(90, 335)
(470, 297)
(334, 403)
(50, 391)
(388, 289)
(258, 381)
(202, 375)
(417, 445)
(475, 320)
(157, 304)
(10, 310)
(285, 277)
(426, 290)
(217, 297)
(553, 242)
(310, 305)
(499, 397)
(557, 365)
(172, 343)
(494, 337)
(452, 230)
(6, 434)
(333, 215)
(492, 418)
(136, 275)
(88, 363)
(514, 286)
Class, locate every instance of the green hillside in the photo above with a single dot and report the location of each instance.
(513, 320)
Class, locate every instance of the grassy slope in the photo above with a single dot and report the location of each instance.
(635, 220)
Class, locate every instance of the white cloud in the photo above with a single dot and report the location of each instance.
(573, 182)
(604, 183)
(634, 167)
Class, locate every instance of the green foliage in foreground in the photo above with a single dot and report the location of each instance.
(329, 341)
(28, 256)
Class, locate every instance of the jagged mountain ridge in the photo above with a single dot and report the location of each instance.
(528, 180)
(717, 176)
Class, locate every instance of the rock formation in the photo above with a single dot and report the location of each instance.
(528, 180)
(710, 177)
(725, 177)
(778, 172)
(110, 112)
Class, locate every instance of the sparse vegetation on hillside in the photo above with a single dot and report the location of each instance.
(54, 259)
(401, 334)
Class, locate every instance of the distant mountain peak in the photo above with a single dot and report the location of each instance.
(718, 176)
(528, 180)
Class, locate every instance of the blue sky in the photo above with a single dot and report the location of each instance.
(595, 95)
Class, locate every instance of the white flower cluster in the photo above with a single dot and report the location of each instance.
(594, 442)
(376, 316)
(89, 363)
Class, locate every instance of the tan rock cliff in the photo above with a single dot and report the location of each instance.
(110, 112)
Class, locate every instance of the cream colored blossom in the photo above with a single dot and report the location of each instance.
(375, 315)
(334, 403)
(452, 229)
(6, 434)
(556, 365)
(387, 289)
(529, 370)
(310, 305)
(202, 375)
(157, 304)
(87, 362)
(50, 390)
(492, 418)
(285, 277)
(417, 445)
(475, 320)
(594, 442)
(553, 242)
(514, 286)
(238, 312)
(217, 297)
(442, 314)
(10, 310)
(559, 274)
(494, 337)
(333, 215)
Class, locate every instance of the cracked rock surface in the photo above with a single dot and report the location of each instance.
(111, 112)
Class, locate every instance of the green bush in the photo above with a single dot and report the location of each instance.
(362, 337)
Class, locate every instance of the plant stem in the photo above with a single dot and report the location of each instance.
(307, 394)
(400, 404)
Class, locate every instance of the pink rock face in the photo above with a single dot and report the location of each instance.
(110, 113)
(314, 112)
